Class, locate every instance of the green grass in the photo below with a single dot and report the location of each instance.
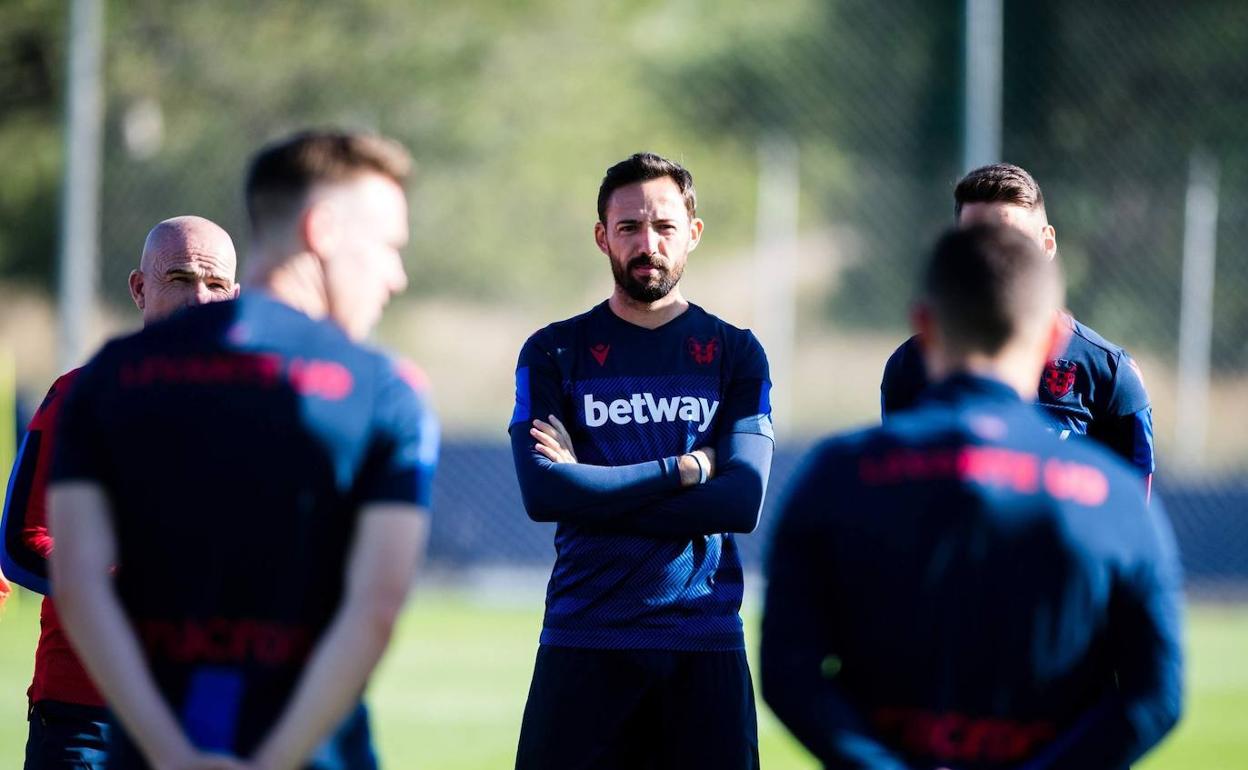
(450, 694)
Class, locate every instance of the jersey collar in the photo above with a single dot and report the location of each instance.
(963, 385)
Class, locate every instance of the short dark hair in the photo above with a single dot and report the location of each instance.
(985, 283)
(642, 167)
(998, 183)
(282, 173)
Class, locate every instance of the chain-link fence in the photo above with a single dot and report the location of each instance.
(515, 109)
(480, 521)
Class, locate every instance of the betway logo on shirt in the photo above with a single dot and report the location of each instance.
(643, 408)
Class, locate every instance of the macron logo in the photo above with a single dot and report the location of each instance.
(642, 408)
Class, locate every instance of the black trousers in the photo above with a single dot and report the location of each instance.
(66, 736)
(639, 710)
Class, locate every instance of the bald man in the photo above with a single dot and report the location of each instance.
(186, 261)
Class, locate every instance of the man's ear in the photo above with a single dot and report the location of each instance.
(237, 288)
(695, 233)
(136, 288)
(931, 343)
(1048, 237)
(600, 238)
(318, 228)
(921, 323)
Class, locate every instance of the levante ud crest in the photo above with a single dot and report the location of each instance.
(1059, 377)
(703, 352)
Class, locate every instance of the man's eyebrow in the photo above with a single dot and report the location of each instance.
(179, 272)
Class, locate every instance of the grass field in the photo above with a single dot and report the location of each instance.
(450, 694)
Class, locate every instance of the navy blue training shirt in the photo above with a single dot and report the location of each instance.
(642, 563)
(1094, 389)
(960, 588)
(237, 442)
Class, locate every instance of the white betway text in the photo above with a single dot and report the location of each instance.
(642, 408)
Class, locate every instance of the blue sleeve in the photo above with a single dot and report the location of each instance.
(586, 494)
(18, 562)
(1129, 436)
(729, 502)
(403, 452)
(746, 404)
(1126, 427)
(1145, 630)
(799, 634)
(904, 379)
(572, 492)
(1129, 395)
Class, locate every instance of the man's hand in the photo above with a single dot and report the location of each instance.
(553, 440)
(196, 760)
(690, 472)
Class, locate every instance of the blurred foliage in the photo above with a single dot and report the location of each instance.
(1105, 103)
(31, 75)
(870, 92)
(513, 111)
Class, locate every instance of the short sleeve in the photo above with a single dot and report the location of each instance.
(1129, 395)
(1127, 425)
(406, 439)
(747, 394)
(1129, 436)
(539, 387)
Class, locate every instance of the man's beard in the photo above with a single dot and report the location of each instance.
(653, 289)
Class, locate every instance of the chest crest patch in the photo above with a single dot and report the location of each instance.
(703, 352)
(1059, 377)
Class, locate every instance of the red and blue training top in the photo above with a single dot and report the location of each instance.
(27, 544)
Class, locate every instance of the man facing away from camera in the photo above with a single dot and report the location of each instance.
(1092, 387)
(186, 261)
(643, 429)
(960, 588)
(262, 479)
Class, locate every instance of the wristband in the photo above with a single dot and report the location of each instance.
(702, 469)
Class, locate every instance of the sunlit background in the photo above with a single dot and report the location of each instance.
(824, 136)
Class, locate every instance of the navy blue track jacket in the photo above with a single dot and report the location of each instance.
(959, 588)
